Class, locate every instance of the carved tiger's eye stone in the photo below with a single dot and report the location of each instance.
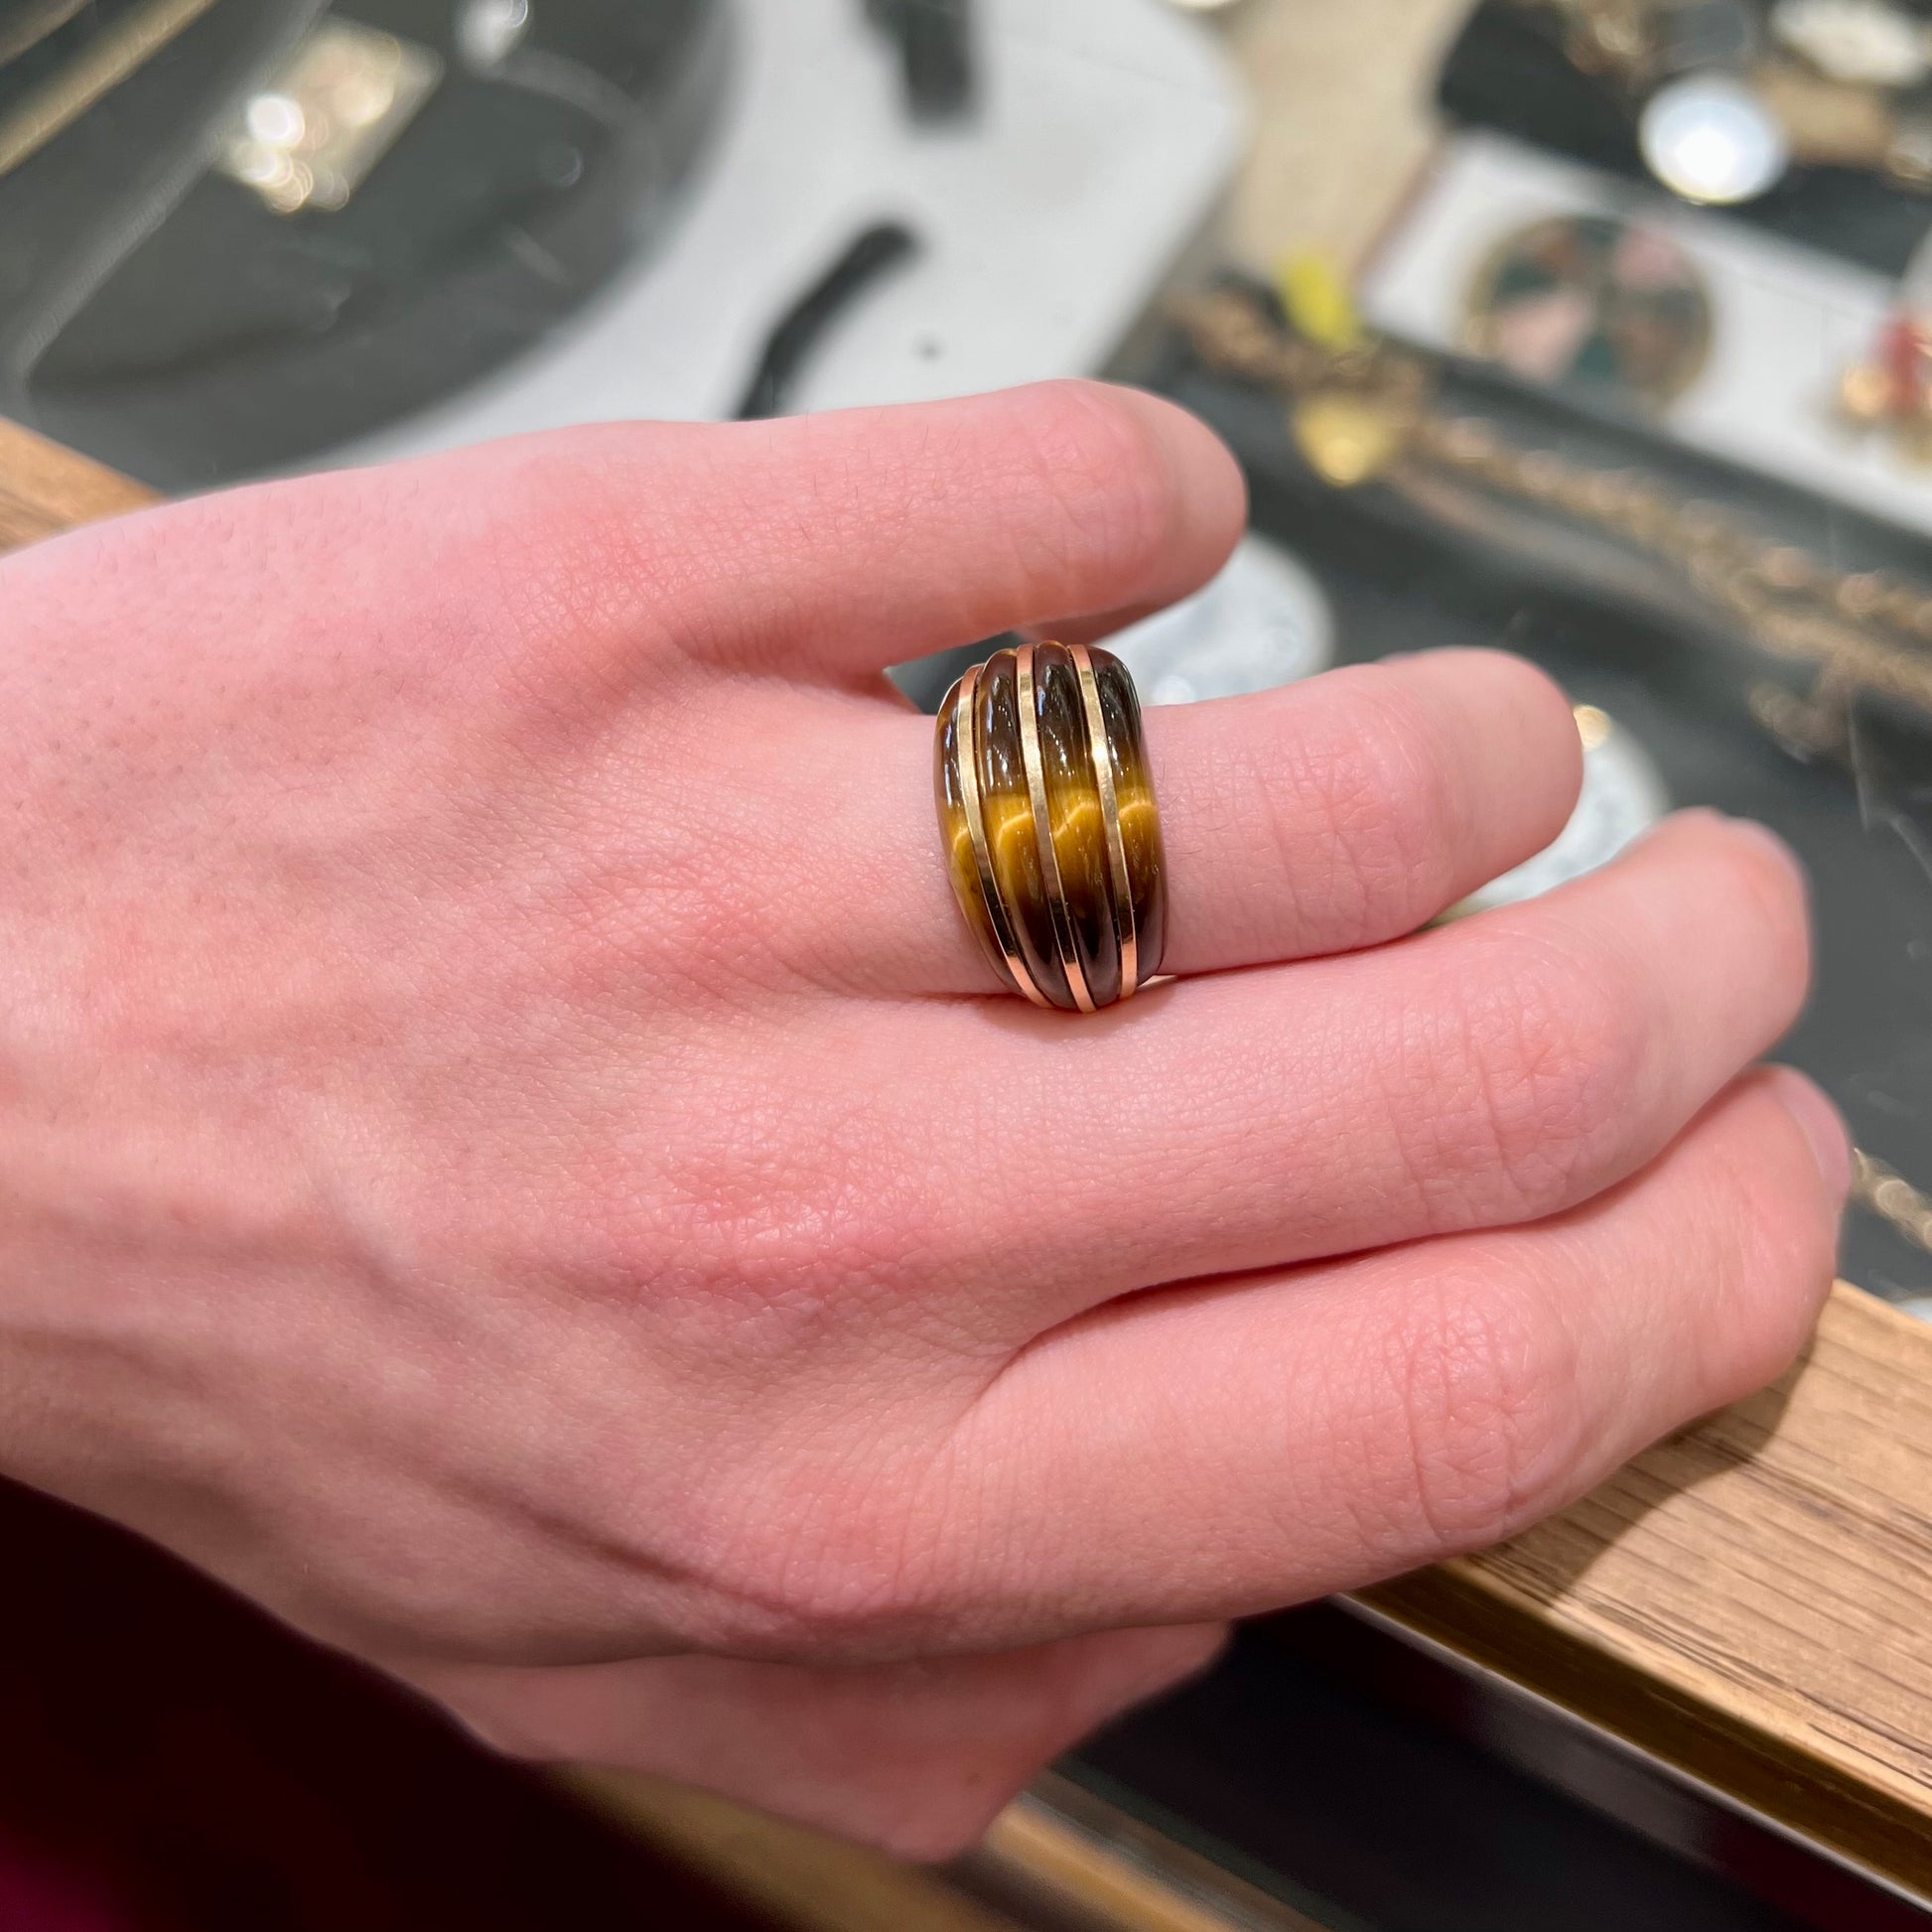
(1012, 832)
(1078, 831)
(956, 828)
(1052, 832)
(1139, 816)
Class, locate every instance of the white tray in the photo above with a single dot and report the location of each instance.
(1788, 322)
(1106, 132)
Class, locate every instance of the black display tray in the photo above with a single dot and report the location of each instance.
(156, 316)
(1374, 1785)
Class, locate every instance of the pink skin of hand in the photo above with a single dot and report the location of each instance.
(509, 1157)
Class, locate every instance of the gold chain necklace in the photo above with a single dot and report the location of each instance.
(1367, 412)
(1613, 37)
(1881, 1191)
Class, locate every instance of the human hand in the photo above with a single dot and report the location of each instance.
(509, 1154)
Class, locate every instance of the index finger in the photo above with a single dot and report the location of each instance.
(839, 544)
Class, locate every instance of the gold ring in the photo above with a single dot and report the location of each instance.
(1052, 837)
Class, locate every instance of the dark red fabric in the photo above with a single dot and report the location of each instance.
(48, 1898)
(172, 1761)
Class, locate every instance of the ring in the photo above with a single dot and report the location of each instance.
(1052, 837)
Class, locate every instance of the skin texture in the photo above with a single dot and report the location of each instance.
(509, 1156)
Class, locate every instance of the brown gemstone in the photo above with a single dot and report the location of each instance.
(1139, 816)
(1055, 897)
(1011, 836)
(955, 828)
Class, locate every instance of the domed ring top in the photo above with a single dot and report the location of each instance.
(1053, 836)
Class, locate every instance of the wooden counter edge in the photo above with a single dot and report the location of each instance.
(1672, 1609)
(1650, 1683)
(45, 489)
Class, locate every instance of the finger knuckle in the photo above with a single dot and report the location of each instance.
(1482, 1379)
(838, 1225)
(1387, 810)
(1549, 1050)
(567, 558)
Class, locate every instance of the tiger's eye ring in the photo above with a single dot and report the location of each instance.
(1051, 833)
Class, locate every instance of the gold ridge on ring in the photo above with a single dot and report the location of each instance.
(1052, 832)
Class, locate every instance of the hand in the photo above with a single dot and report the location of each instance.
(507, 1153)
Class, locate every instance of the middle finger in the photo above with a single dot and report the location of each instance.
(1329, 815)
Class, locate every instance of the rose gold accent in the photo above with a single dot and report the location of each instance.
(1125, 930)
(966, 740)
(1050, 859)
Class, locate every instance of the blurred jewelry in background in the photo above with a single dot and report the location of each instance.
(1892, 390)
(1613, 305)
(1624, 796)
(407, 228)
(488, 31)
(1863, 42)
(1785, 321)
(311, 136)
(1264, 622)
(1881, 1191)
(1369, 415)
(1730, 95)
(1713, 139)
(1889, 392)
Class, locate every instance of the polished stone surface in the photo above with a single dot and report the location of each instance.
(1073, 864)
